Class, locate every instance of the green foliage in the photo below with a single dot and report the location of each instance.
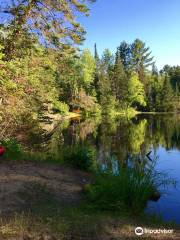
(124, 52)
(136, 136)
(136, 92)
(26, 84)
(52, 22)
(127, 192)
(140, 58)
(105, 73)
(124, 82)
(110, 105)
(61, 107)
(87, 70)
(1, 53)
(36, 82)
(130, 113)
(174, 75)
(81, 157)
(167, 96)
(13, 149)
(119, 81)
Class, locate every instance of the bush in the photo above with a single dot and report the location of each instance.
(13, 149)
(94, 111)
(61, 107)
(81, 157)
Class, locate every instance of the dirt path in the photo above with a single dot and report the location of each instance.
(15, 179)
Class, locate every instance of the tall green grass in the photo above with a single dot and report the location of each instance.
(127, 192)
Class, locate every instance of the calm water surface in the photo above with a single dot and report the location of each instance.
(126, 143)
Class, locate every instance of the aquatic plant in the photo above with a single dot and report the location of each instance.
(127, 192)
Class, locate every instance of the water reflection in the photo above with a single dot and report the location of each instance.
(123, 142)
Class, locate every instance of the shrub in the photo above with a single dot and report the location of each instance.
(13, 149)
(81, 157)
(61, 107)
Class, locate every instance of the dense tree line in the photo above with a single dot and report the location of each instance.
(130, 79)
(41, 65)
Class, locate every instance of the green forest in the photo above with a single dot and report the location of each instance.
(42, 67)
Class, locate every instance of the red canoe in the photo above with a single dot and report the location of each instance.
(2, 150)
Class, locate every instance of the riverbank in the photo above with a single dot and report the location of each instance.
(157, 113)
(45, 201)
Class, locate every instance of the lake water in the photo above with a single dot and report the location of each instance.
(123, 143)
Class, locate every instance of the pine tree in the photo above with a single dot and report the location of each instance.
(154, 70)
(119, 81)
(152, 88)
(106, 99)
(124, 52)
(52, 21)
(96, 56)
(105, 73)
(177, 99)
(167, 96)
(108, 62)
(140, 58)
(97, 72)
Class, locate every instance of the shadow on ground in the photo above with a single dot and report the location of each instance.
(44, 202)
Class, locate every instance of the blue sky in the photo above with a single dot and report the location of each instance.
(156, 22)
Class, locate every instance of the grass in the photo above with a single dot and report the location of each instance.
(81, 157)
(46, 218)
(111, 208)
(129, 191)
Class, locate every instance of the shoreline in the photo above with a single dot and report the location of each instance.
(51, 204)
(158, 113)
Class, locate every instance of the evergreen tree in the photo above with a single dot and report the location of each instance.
(104, 76)
(52, 21)
(167, 96)
(96, 56)
(124, 52)
(106, 70)
(97, 70)
(174, 74)
(140, 58)
(152, 88)
(154, 70)
(108, 62)
(166, 70)
(119, 81)
(177, 99)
